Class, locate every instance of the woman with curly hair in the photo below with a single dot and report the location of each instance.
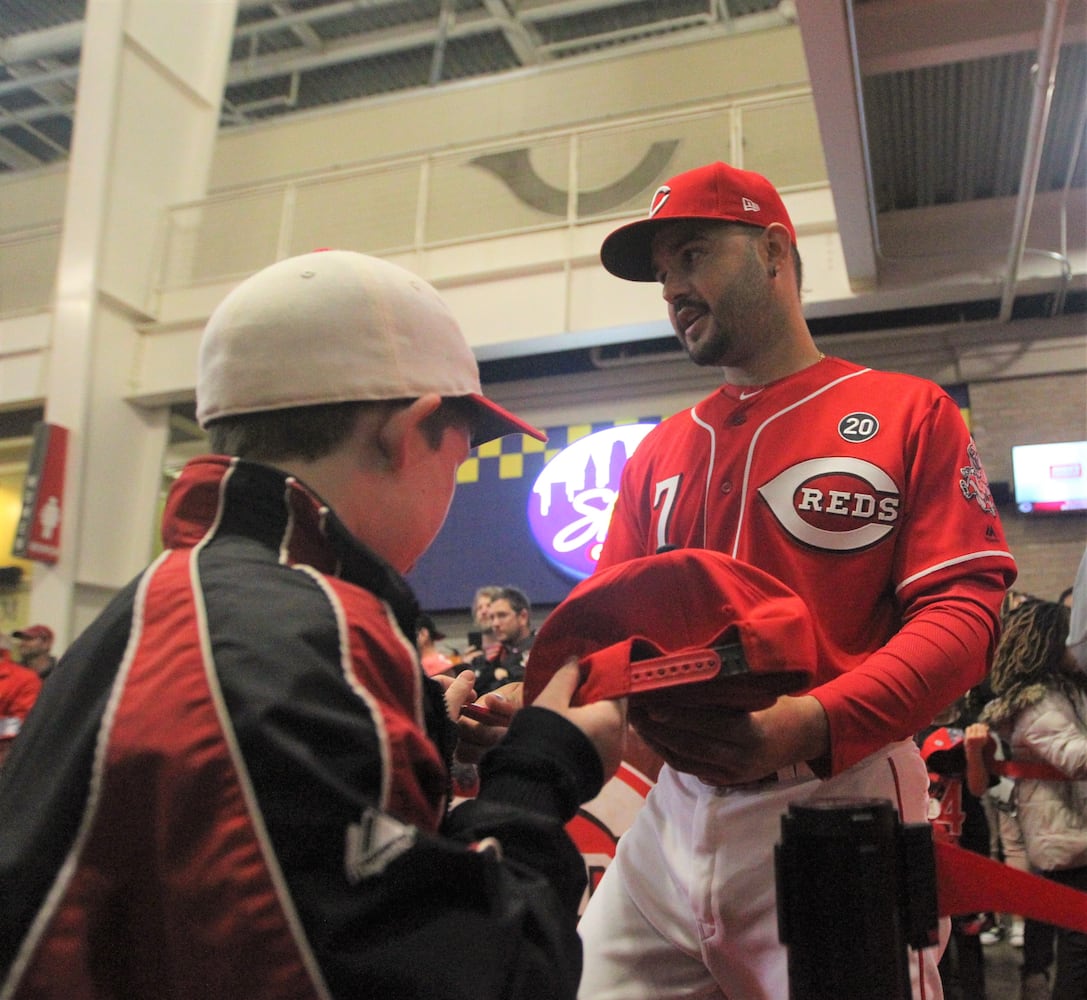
(1040, 710)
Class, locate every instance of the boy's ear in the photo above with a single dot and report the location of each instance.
(402, 434)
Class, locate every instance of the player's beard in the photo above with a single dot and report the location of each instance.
(736, 319)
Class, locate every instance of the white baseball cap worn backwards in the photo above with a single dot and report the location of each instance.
(335, 326)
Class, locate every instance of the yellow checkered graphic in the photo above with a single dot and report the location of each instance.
(509, 452)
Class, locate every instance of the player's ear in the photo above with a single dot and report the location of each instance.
(777, 246)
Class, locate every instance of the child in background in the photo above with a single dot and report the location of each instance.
(1041, 712)
(958, 817)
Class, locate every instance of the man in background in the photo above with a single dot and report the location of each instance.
(36, 649)
(510, 615)
(19, 687)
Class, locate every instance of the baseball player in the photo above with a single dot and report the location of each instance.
(862, 491)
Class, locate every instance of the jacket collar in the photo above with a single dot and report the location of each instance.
(216, 495)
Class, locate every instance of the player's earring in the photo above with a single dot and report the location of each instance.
(773, 270)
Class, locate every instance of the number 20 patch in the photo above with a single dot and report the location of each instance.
(857, 427)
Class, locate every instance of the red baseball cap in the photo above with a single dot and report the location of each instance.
(664, 622)
(943, 750)
(716, 192)
(35, 632)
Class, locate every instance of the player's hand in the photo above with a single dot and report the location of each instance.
(603, 722)
(732, 747)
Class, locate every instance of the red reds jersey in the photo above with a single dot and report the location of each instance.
(863, 492)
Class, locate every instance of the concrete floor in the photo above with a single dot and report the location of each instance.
(1002, 964)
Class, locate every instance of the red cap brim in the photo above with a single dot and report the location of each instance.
(493, 421)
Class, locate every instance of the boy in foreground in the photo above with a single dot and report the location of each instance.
(237, 785)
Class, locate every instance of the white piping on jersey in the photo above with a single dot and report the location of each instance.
(751, 455)
(709, 476)
(984, 554)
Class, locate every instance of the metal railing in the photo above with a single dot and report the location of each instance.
(541, 181)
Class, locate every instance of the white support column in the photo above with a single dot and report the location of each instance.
(151, 82)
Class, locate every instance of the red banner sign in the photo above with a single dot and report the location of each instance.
(38, 534)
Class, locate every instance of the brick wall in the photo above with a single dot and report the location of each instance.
(1027, 411)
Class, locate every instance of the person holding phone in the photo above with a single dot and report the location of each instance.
(481, 639)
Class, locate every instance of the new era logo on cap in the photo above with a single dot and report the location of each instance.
(750, 206)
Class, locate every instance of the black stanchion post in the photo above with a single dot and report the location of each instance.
(855, 888)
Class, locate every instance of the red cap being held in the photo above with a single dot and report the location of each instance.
(717, 192)
(686, 623)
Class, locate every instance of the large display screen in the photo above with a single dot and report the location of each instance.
(1050, 478)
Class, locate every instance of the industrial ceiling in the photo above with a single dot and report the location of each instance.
(922, 103)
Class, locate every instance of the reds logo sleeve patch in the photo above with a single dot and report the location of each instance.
(974, 483)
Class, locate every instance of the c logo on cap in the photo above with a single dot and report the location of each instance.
(660, 196)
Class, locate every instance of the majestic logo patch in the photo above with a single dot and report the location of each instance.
(838, 504)
(974, 483)
(857, 427)
(660, 196)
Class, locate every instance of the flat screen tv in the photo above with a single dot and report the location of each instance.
(1050, 478)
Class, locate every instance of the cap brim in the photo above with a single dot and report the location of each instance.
(627, 252)
(493, 421)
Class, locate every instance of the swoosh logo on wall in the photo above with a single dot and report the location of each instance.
(515, 170)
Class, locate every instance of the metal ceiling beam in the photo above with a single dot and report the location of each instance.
(437, 59)
(895, 36)
(689, 23)
(33, 80)
(15, 156)
(308, 16)
(355, 48)
(402, 38)
(829, 46)
(517, 35)
(1049, 48)
(31, 45)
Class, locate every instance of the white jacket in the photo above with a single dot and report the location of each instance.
(1053, 814)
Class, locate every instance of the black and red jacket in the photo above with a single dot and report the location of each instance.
(236, 785)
